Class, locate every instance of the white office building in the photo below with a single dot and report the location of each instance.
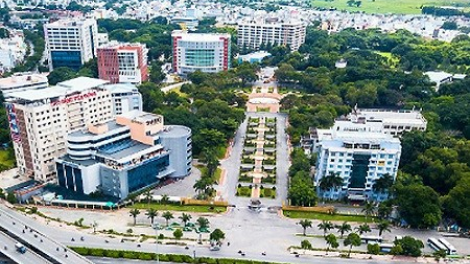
(205, 52)
(252, 33)
(360, 153)
(22, 82)
(71, 42)
(125, 97)
(40, 121)
(12, 50)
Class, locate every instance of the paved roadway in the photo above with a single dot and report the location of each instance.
(15, 223)
(29, 257)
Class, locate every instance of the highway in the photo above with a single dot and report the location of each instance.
(29, 257)
(20, 227)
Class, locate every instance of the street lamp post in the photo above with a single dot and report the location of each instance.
(156, 227)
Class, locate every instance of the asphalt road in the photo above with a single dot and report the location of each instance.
(29, 257)
(16, 223)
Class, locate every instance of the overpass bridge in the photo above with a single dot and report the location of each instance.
(7, 248)
(22, 229)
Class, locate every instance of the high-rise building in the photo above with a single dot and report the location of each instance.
(40, 121)
(205, 52)
(125, 155)
(359, 153)
(123, 62)
(253, 33)
(22, 82)
(125, 97)
(71, 42)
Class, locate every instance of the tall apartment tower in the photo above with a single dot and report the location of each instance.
(71, 42)
(123, 62)
(251, 34)
(205, 52)
(40, 121)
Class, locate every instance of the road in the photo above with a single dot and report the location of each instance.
(173, 86)
(15, 223)
(7, 248)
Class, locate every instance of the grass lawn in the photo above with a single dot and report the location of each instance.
(203, 169)
(267, 193)
(393, 61)
(327, 217)
(244, 191)
(388, 6)
(5, 160)
(180, 208)
(221, 152)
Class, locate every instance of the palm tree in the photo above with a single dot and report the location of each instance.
(362, 229)
(203, 222)
(305, 224)
(330, 182)
(383, 184)
(369, 209)
(185, 218)
(352, 240)
(331, 241)
(167, 215)
(148, 196)
(325, 226)
(384, 210)
(151, 213)
(383, 226)
(134, 213)
(343, 228)
(94, 225)
(165, 199)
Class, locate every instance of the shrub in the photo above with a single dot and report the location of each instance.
(161, 236)
(261, 187)
(130, 231)
(273, 188)
(97, 252)
(113, 254)
(239, 185)
(145, 256)
(373, 249)
(129, 255)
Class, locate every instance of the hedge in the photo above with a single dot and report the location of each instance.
(112, 253)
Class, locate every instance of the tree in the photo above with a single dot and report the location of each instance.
(134, 213)
(148, 196)
(373, 249)
(383, 226)
(185, 218)
(410, 246)
(60, 74)
(198, 77)
(364, 228)
(384, 210)
(383, 183)
(151, 214)
(325, 226)
(449, 25)
(343, 228)
(457, 203)
(301, 190)
(368, 210)
(305, 244)
(427, 214)
(165, 199)
(217, 235)
(203, 222)
(94, 225)
(439, 254)
(352, 240)
(178, 234)
(168, 216)
(331, 241)
(305, 224)
(331, 182)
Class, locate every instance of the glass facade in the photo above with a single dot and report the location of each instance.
(146, 174)
(70, 177)
(360, 166)
(71, 59)
(200, 57)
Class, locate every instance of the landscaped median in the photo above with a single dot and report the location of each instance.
(126, 254)
(187, 205)
(322, 213)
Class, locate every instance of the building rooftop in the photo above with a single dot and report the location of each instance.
(70, 22)
(175, 131)
(437, 76)
(61, 89)
(21, 80)
(121, 88)
(123, 149)
(112, 125)
(388, 116)
(255, 55)
(116, 44)
(141, 116)
(201, 37)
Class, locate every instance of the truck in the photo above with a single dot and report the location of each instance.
(20, 248)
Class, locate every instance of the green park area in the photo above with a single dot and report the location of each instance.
(180, 207)
(325, 216)
(7, 160)
(387, 6)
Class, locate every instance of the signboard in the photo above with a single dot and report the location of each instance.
(75, 98)
(13, 122)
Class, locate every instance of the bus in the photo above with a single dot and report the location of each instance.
(436, 245)
(371, 239)
(450, 248)
(386, 248)
(20, 248)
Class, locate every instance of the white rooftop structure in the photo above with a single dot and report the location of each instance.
(22, 82)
